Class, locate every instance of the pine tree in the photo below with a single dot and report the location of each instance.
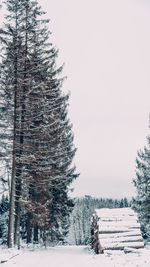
(4, 207)
(142, 183)
(42, 137)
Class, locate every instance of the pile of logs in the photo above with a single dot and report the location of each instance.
(115, 229)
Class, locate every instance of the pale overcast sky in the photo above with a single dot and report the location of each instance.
(105, 45)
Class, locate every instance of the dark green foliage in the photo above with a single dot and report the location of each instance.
(4, 207)
(4, 204)
(141, 204)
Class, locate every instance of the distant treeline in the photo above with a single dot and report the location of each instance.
(79, 233)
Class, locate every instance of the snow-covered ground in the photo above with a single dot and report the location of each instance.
(73, 256)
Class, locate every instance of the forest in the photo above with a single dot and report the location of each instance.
(37, 142)
(77, 231)
(36, 138)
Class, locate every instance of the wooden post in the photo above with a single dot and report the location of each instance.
(95, 242)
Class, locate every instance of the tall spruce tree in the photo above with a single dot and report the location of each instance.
(141, 203)
(5, 136)
(43, 148)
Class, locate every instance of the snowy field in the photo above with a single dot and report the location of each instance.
(73, 256)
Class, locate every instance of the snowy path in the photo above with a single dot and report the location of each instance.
(81, 256)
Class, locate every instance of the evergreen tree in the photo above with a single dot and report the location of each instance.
(4, 207)
(4, 204)
(43, 148)
(141, 203)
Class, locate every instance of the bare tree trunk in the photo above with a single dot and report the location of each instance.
(29, 229)
(17, 214)
(10, 241)
(35, 237)
(21, 141)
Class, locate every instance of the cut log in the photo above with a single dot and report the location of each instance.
(124, 234)
(122, 239)
(121, 246)
(130, 250)
(117, 224)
